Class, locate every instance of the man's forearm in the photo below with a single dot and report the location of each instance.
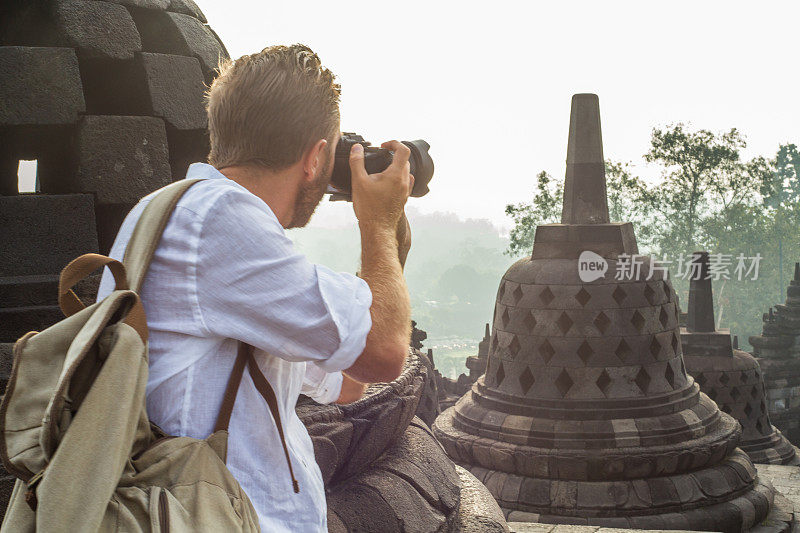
(391, 308)
(352, 390)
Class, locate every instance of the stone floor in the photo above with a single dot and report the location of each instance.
(782, 519)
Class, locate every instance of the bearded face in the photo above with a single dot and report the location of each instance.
(311, 193)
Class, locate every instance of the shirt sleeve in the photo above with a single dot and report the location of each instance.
(323, 387)
(252, 285)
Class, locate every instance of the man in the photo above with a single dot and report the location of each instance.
(225, 272)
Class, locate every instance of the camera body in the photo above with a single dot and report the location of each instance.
(376, 160)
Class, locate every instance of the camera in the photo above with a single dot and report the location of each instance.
(377, 160)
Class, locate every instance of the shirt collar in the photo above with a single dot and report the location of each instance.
(203, 171)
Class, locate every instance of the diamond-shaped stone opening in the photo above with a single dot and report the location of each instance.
(665, 288)
(649, 293)
(619, 295)
(501, 291)
(505, 318)
(583, 297)
(712, 393)
(724, 378)
(669, 374)
(601, 322)
(683, 368)
(754, 392)
(742, 377)
(638, 321)
(564, 322)
(623, 350)
(655, 347)
(564, 382)
(700, 379)
(642, 380)
(526, 380)
(514, 346)
(735, 394)
(585, 352)
(530, 322)
(603, 381)
(495, 343)
(663, 317)
(760, 427)
(748, 410)
(517, 294)
(547, 351)
(546, 296)
(501, 373)
(675, 343)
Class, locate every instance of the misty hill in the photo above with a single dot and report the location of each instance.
(453, 269)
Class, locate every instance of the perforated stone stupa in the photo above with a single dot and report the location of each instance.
(729, 376)
(778, 351)
(586, 414)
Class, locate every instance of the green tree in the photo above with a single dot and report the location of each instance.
(544, 209)
(701, 171)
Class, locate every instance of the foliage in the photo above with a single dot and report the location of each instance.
(544, 209)
(707, 199)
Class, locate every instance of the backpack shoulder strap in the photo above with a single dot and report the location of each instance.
(147, 233)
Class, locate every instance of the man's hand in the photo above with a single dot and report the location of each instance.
(379, 199)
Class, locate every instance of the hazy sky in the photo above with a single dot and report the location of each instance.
(488, 84)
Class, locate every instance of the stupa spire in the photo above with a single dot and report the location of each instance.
(585, 199)
(701, 301)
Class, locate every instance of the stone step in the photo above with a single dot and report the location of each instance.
(29, 291)
(43, 232)
(6, 361)
(17, 321)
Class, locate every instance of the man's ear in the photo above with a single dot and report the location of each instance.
(314, 159)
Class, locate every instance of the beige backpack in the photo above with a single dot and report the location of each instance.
(73, 425)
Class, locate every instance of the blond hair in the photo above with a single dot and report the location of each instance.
(267, 108)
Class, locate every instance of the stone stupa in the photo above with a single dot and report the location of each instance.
(729, 376)
(477, 363)
(778, 351)
(586, 414)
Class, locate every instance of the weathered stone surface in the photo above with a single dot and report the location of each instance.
(98, 29)
(428, 407)
(26, 291)
(187, 7)
(730, 377)
(42, 233)
(178, 34)
(413, 487)
(6, 362)
(585, 184)
(95, 29)
(478, 512)
(121, 159)
(146, 4)
(349, 438)
(778, 352)
(585, 414)
(17, 321)
(41, 86)
(175, 86)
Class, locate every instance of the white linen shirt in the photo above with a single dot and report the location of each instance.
(225, 271)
